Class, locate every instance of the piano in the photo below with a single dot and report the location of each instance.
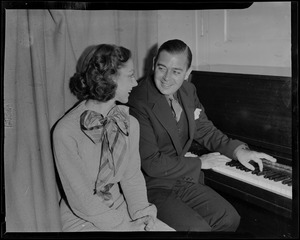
(256, 109)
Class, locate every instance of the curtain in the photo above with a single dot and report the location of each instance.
(41, 51)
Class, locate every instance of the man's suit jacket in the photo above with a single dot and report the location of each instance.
(162, 154)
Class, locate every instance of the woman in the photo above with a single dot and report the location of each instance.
(97, 152)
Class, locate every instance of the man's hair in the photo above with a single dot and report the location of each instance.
(175, 46)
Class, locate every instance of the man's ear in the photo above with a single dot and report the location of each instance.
(187, 74)
(153, 63)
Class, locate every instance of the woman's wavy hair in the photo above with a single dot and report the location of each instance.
(96, 70)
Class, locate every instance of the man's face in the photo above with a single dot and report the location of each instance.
(170, 71)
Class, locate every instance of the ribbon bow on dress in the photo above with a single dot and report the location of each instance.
(111, 132)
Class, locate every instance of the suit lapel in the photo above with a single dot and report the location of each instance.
(162, 111)
(189, 110)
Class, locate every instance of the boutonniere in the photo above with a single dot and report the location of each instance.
(197, 113)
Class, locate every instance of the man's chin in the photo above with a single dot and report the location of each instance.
(163, 88)
(165, 92)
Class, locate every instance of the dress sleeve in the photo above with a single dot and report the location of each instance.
(77, 184)
(133, 182)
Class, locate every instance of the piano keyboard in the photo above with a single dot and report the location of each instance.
(273, 178)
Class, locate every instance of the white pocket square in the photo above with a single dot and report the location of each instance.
(197, 113)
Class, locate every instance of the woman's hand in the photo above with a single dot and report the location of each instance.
(145, 223)
(149, 222)
(146, 217)
(214, 159)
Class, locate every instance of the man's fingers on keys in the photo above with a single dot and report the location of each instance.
(259, 162)
(268, 157)
(248, 165)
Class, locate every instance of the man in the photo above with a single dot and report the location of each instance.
(174, 178)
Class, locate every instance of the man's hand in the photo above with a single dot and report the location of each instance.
(244, 156)
(214, 159)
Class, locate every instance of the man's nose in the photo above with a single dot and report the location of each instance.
(167, 75)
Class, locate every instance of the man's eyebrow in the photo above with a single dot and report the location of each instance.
(177, 69)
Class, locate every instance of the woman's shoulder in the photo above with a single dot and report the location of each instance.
(65, 128)
(125, 109)
(133, 121)
(69, 122)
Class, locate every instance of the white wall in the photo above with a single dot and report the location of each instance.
(256, 40)
(179, 24)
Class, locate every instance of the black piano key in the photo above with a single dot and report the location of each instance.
(281, 178)
(236, 163)
(267, 169)
(237, 166)
(255, 171)
(278, 178)
(287, 181)
(247, 169)
(270, 176)
(263, 172)
(270, 173)
(231, 163)
(243, 168)
(275, 176)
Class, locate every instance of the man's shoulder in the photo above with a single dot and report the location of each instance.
(188, 85)
(188, 88)
(140, 91)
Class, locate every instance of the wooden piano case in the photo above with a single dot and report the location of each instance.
(256, 109)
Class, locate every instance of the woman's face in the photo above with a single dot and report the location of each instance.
(125, 81)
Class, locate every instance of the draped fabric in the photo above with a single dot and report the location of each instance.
(41, 51)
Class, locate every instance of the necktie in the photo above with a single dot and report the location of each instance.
(176, 108)
(111, 132)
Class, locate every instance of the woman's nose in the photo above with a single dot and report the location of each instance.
(134, 82)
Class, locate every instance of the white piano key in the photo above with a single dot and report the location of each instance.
(259, 181)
